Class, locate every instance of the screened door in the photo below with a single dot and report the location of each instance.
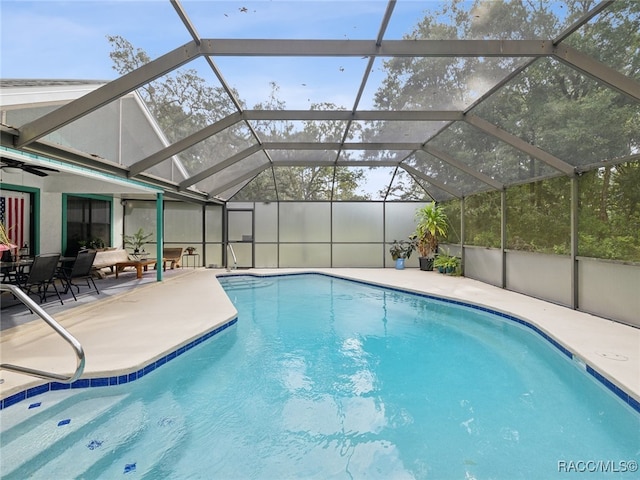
(240, 237)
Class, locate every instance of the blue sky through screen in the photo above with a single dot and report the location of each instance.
(67, 40)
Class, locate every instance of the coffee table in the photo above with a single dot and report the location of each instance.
(139, 264)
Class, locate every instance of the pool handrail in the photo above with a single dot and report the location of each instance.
(235, 260)
(60, 330)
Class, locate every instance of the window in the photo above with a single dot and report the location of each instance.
(88, 223)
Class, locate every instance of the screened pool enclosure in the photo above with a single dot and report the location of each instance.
(306, 134)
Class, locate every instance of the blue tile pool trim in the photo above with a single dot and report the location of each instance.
(619, 392)
(116, 380)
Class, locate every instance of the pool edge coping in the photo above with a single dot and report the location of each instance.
(119, 379)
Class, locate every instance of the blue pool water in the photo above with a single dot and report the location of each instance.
(325, 378)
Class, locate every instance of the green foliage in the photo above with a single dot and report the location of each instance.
(538, 216)
(452, 211)
(431, 224)
(447, 263)
(402, 248)
(95, 243)
(482, 220)
(609, 214)
(137, 241)
(182, 103)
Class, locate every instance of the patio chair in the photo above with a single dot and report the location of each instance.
(79, 269)
(41, 275)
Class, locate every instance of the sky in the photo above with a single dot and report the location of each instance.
(67, 40)
(50, 39)
(53, 39)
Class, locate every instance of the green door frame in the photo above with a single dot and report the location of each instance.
(35, 205)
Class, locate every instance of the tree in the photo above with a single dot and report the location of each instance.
(306, 182)
(550, 105)
(182, 104)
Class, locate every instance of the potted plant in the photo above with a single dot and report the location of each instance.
(453, 265)
(5, 244)
(401, 250)
(137, 241)
(446, 263)
(96, 243)
(191, 250)
(431, 224)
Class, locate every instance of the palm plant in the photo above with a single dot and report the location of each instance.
(431, 224)
(137, 240)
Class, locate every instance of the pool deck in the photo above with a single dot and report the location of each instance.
(123, 333)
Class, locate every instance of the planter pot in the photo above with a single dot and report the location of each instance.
(441, 269)
(400, 264)
(426, 264)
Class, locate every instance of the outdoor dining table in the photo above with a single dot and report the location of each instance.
(11, 269)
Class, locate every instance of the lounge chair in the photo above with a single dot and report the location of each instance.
(173, 255)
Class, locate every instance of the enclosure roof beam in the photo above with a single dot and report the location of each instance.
(520, 144)
(240, 179)
(184, 144)
(464, 167)
(362, 115)
(92, 164)
(331, 163)
(186, 21)
(367, 48)
(598, 71)
(219, 166)
(431, 180)
(251, 47)
(107, 93)
(344, 146)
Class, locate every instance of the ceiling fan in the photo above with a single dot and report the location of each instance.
(8, 163)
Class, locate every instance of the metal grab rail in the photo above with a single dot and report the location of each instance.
(233, 254)
(34, 307)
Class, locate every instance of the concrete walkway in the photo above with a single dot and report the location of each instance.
(123, 332)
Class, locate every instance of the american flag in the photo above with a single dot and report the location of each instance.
(12, 215)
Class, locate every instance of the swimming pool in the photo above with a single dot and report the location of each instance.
(327, 378)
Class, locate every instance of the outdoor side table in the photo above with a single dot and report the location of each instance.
(187, 256)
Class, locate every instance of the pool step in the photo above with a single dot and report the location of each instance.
(230, 284)
(162, 428)
(94, 446)
(25, 445)
(95, 438)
